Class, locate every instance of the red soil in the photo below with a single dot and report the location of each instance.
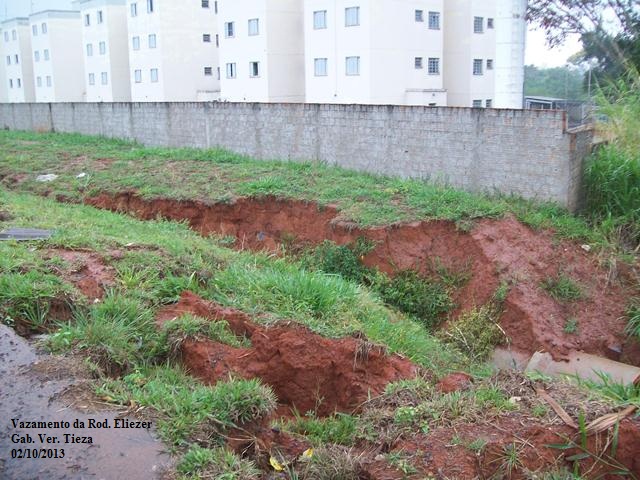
(494, 251)
(306, 371)
(87, 271)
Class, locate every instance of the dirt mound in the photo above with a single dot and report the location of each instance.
(86, 271)
(306, 371)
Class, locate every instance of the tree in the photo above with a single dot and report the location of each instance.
(609, 30)
(559, 82)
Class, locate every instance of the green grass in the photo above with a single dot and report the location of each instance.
(633, 321)
(476, 332)
(218, 463)
(218, 176)
(338, 429)
(562, 288)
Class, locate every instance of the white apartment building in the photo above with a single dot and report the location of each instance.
(484, 50)
(16, 43)
(375, 51)
(105, 49)
(3, 71)
(58, 67)
(173, 50)
(261, 50)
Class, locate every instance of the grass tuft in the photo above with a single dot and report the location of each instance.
(216, 463)
(562, 288)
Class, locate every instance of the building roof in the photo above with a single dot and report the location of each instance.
(55, 14)
(15, 21)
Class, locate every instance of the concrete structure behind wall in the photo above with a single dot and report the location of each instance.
(261, 50)
(173, 50)
(524, 152)
(511, 32)
(375, 52)
(105, 50)
(16, 39)
(58, 67)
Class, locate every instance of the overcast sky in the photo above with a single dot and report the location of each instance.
(537, 51)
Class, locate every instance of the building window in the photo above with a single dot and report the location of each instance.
(231, 70)
(488, 103)
(92, 79)
(320, 19)
(478, 24)
(218, 73)
(34, 30)
(152, 40)
(208, 71)
(10, 83)
(228, 30)
(100, 17)
(419, 16)
(489, 22)
(36, 56)
(44, 28)
(205, 3)
(87, 20)
(206, 37)
(137, 74)
(89, 50)
(489, 64)
(477, 104)
(19, 82)
(477, 66)
(134, 9)
(39, 81)
(103, 48)
(254, 27)
(48, 81)
(17, 59)
(418, 63)
(352, 66)
(46, 55)
(104, 79)
(434, 20)
(351, 16)
(320, 67)
(149, 6)
(14, 35)
(154, 75)
(215, 7)
(217, 40)
(6, 36)
(433, 68)
(135, 43)
(254, 69)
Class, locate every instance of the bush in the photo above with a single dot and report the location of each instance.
(343, 260)
(476, 332)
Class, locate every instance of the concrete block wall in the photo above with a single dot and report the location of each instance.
(523, 152)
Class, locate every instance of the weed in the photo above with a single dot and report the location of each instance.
(539, 410)
(331, 462)
(338, 429)
(633, 323)
(509, 459)
(477, 445)
(562, 288)
(501, 292)
(400, 461)
(621, 394)
(344, 260)
(476, 332)
(218, 463)
(571, 326)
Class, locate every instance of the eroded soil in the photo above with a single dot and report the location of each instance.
(34, 387)
(494, 252)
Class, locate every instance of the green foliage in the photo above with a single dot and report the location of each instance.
(218, 463)
(185, 406)
(562, 288)
(424, 299)
(189, 326)
(558, 82)
(633, 323)
(117, 333)
(571, 326)
(339, 429)
(619, 393)
(344, 260)
(476, 332)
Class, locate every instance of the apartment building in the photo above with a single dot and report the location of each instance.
(484, 50)
(173, 50)
(16, 42)
(105, 50)
(261, 50)
(58, 67)
(3, 71)
(375, 51)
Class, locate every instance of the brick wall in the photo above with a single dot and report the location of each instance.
(522, 152)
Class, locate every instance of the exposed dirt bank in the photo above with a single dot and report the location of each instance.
(493, 251)
(306, 371)
(32, 388)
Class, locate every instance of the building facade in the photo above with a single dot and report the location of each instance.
(58, 67)
(3, 71)
(261, 50)
(375, 51)
(16, 42)
(173, 50)
(105, 50)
